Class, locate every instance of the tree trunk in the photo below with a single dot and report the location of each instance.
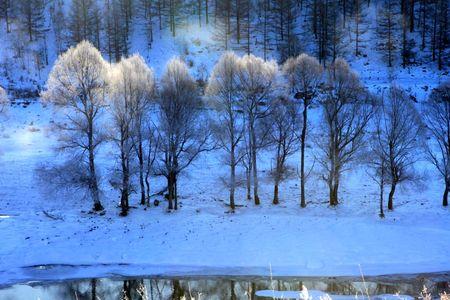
(93, 184)
(248, 28)
(126, 289)
(94, 289)
(125, 181)
(433, 41)
(141, 170)
(199, 11)
(254, 166)
(302, 156)
(333, 181)
(411, 15)
(423, 12)
(445, 197)
(206, 12)
(232, 291)
(232, 176)
(382, 181)
(382, 194)
(7, 7)
(175, 192)
(248, 172)
(238, 22)
(178, 292)
(391, 196)
(170, 190)
(147, 189)
(334, 194)
(275, 193)
(404, 33)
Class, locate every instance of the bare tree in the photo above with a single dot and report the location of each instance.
(256, 86)
(397, 134)
(144, 90)
(437, 117)
(183, 133)
(150, 147)
(77, 84)
(377, 163)
(346, 112)
(303, 75)
(229, 126)
(283, 127)
(131, 84)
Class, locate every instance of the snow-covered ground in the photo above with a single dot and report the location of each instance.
(202, 238)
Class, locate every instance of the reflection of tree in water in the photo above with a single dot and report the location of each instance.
(134, 289)
(81, 290)
(178, 291)
(221, 288)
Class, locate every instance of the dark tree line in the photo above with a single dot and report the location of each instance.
(408, 32)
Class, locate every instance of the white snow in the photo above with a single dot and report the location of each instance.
(319, 295)
(202, 238)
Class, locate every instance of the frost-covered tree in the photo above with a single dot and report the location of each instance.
(283, 128)
(303, 75)
(144, 90)
(229, 130)
(183, 133)
(257, 80)
(130, 88)
(77, 84)
(346, 113)
(397, 138)
(437, 118)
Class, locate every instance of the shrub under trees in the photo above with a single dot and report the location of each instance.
(4, 102)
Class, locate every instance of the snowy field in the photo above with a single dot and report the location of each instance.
(41, 226)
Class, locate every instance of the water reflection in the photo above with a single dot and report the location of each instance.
(222, 288)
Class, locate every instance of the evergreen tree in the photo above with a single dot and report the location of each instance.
(84, 21)
(387, 30)
(32, 14)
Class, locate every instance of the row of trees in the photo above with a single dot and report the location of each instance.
(249, 104)
(328, 28)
